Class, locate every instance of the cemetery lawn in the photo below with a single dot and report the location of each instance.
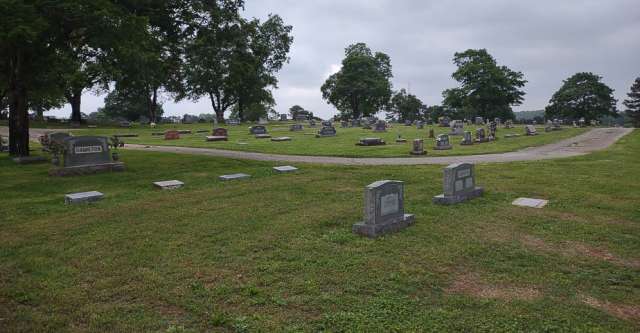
(343, 145)
(276, 252)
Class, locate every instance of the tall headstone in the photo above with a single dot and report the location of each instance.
(381, 126)
(467, 139)
(418, 147)
(459, 184)
(383, 209)
(283, 117)
(442, 142)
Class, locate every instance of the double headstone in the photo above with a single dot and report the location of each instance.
(219, 134)
(84, 155)
(326, 131)
(442, 142)
(459, 184)
(259, 132)
(383, 209)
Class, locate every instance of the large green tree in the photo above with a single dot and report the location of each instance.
(362, 87)
(486, 89)
(583, 95)
(120, 104)
(405, 106)
(633, 103)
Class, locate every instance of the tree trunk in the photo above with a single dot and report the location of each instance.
(18, 111)
(217, 108)
(240, 110)
(154, 105)
(75, 99)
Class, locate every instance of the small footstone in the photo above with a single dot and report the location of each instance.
(262, 136)
(75, 198)
(281, 139)
(528, 202)
(169, 184)
(285, 169)
(234, 176)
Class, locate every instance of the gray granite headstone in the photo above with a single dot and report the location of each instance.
(459, 184)
(326, 131)
(457, 127)
(234, 176)
(295, 127)
(371, 142)
(442, 142)
(418, 147)
(258, 129)
(531, 130)
(81, 197)
(381, 126)
(479, 121)
(467, 139)
(383, 209)
(86, 150)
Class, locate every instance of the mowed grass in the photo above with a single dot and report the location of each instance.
(276, 252)
(344, 144)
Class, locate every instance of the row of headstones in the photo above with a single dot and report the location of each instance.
(383, 200)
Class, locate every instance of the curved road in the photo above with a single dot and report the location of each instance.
(595, 139)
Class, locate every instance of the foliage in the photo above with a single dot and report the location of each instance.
(582, 96)
(362, 87)
(486, 89)
(297, 110)
(633, 103)
(405, 106)
(122, 104)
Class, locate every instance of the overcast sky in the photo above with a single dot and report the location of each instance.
(547, 40)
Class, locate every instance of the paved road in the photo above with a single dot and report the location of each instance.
(594, 140)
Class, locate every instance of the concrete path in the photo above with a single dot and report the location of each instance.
(594, 140)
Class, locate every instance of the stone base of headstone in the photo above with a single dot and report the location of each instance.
(184, 131)
(424, 152)
(202, 131)
(325, 135)
(217, 138)
(281, 139)
(262, 136)
(371, 142)
(375, 230)
(75, 198)
(482, 140)
(447, 147)
(30, 159)
(401, 140)
(126, 135)
(87, 169)
(157, 133)
(169, 184)
(508, 136)
(443, 200)
(466, 143)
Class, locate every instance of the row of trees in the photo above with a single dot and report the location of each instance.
(53, 51)
(363, 87)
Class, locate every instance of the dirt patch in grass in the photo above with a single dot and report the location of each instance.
(472, 284)
(622, 311)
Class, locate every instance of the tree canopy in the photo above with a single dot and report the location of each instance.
(362, 87)
(405, 106)
(120, 105)
(582, 95)
(486, 89)
(633, 103)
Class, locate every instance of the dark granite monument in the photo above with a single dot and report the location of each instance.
(219, 134)
(85, 155)
(326, 131)
(371, 142)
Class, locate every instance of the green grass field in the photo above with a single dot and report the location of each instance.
(305, 142)
(276, 253)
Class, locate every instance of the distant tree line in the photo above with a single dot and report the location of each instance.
(138, 51)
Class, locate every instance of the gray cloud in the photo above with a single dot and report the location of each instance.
(547, 40)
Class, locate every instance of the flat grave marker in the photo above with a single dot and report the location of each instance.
(529, 202)
(234, 176)
(75, 198)
(285, 169)
(168, 184)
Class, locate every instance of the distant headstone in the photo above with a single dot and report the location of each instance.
(262, 136)
(295, 127)
(444, 121)
(481, 136)
(371, 142)
(418, 147)
(493, 128)
(285, 169)
(459, 184)
(420, 124)
(263, 121)
(4, 145)
(326, 131)
(508, 124)
(283, 117)
(381, 126)
(407, 122)
(219, 134)
(383, 209)
(575, 125)
(442, 142)
(457, 127)
(467, 139)
(327, 123)
(184, 131)
(125, 124)
(75, 198)
(258, 129)
(171, 135)
(530, 130)
(498, 121)
(312, 123)
(344, 124)
(582, 122)
(355, 122)
(169, 184)
(511, 135)
(479, 121)
(234, 176)
(232, 122)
